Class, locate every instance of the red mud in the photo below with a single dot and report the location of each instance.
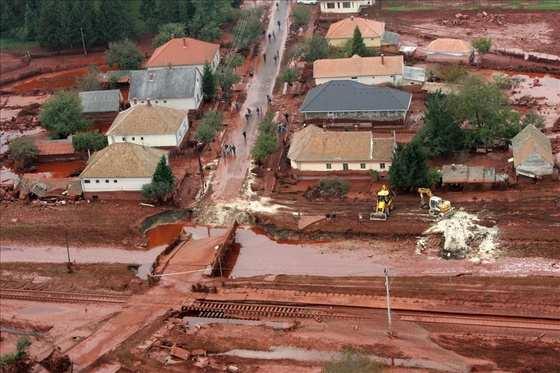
(163, 234)
(61, 169)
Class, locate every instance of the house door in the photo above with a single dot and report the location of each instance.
(345, 166)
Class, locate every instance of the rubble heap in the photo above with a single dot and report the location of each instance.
(464, 238)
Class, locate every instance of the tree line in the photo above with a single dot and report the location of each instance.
(60, 25)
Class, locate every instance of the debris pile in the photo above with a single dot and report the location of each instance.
(481, 17)
(463, 238)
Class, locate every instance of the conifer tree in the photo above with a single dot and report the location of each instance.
(358, 46)
(208, 83)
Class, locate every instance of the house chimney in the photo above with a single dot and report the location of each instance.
(382, 59)
(184, 43)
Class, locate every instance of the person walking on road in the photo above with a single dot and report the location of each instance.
(273, 35)
(269, 99)
(269, 36)
(258, 112)
(278, 23)
(232, 147)
(275, 59)
(247, 117)
(264, 57)
(244, 136)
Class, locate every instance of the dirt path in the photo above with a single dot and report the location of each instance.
(231, 172)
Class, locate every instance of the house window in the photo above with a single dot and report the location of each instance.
(133, 138)
(346, 4)
(107, 181)
(345, 166)
(87, 181)
(157, 102)
(97, 181)
(165, 101)
(330, 5)
(141, 138)
(124, 138)
(354, 77)
(329, 166)
(382, 166)
(362, 165)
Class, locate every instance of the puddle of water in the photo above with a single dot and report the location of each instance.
(61, 169)
(260, 255)
(57, 254)
(163, 234)
(300, 354)
(165, 217)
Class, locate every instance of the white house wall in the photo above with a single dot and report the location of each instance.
(338, 166)
(191, 103)
(371, 80)
(114, 184)
(168, 140)
(353, 6)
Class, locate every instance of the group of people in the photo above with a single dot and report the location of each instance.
(229, 150)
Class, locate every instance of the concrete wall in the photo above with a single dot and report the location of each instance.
(364, 115)
(344, 6)
(369, 42)
(372, 80)
(452, 58)
(339, 166)
(169, 140)
(113, 184)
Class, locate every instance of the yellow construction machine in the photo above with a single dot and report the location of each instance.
(437, 207)
(384, 206)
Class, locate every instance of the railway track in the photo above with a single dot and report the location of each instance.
(259, 310)
(61, 296)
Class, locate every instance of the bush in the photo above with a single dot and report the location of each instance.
(210, 125)
(289, 76)
(234, 60)
(451, 73)
(534, 119)
(226, 78)
(162, 183)
(248, 28)
(352, 362)
(333, 187)
(482, 45)
(92, 141)
(61, 115)
(208, 83)
(89, 82)
(266, 142)
(125, 55)
(23, 152)
(315, 48)
(506, 82)
(167, 32)
(300, 15)
(409, 169)
(18, 359)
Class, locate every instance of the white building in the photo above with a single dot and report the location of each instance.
(365, 70)
(120, 167)
(149, 125)
(313, 149)
(185, 52)
(177, 88)
(344, 6)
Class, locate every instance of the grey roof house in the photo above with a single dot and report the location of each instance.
(532, 153)
(107, 101)
(178, 88)
(346, 99)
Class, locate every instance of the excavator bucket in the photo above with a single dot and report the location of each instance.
(378, 216)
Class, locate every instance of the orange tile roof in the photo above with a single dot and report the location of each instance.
(183, 51)
(358, 66)
(55, 147)
(345, 29)
(449, 46)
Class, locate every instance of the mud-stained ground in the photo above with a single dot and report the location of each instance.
(102, 223)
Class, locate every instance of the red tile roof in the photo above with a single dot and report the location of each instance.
(183, 51)
(55, 147)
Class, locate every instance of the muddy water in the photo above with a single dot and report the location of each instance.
(58, 254)
(61, 169)
(163, 234)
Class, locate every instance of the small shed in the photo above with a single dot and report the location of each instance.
(101, 105)
(56, 150)
(460, 174)
(532, 153)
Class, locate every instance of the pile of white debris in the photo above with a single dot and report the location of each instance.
(463, 238)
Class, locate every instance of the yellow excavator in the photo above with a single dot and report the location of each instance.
(438, 207)
(385, 204)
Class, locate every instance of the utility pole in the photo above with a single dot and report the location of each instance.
(389, 323)
(83, 41)
(69, 263)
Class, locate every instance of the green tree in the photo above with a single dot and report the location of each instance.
(352, 362)
(248, 28)
(486, 109)
(357, 44)
(409, 169)
(534, 119)
(61, 115)
(32, 14)
(162, 183)
(23, 152)
(208, 83)
(482, 45)
(290, 75)
(125, 55)
(115, 20)
(208, 18)
(17, 361)
(167, 32)
(90, 82)
(441, 134)
(210, 125)
(266, 142)
(226, 78)
(147, 13)
(205, 133)
(301, 15)
(316, 48)
(92, 141)
(53, 19)
(82, 18)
